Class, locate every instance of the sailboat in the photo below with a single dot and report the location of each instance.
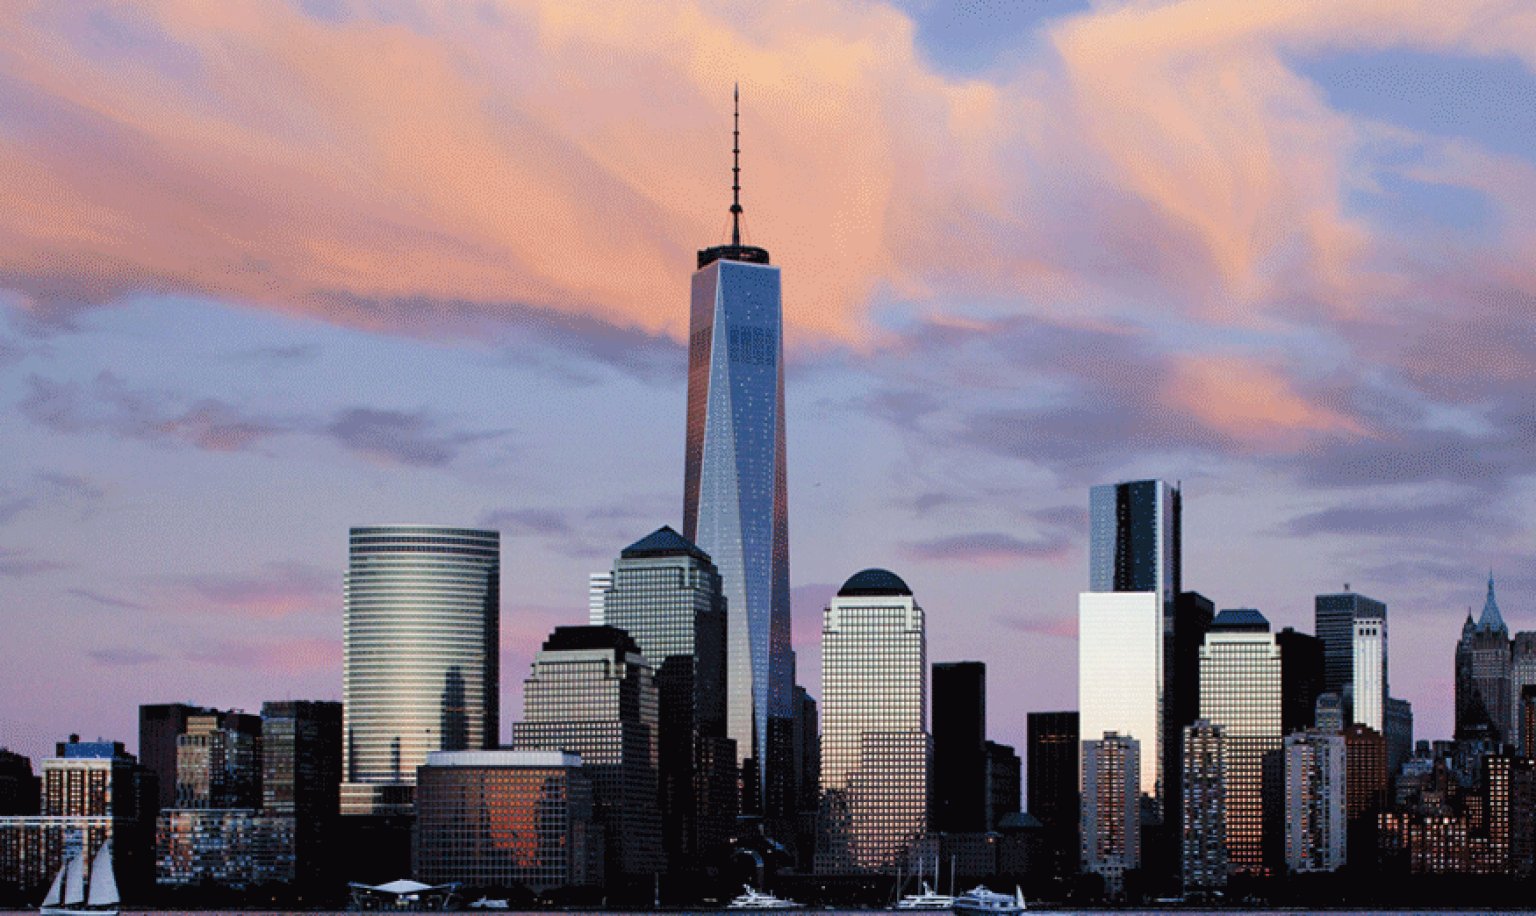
(69, 893)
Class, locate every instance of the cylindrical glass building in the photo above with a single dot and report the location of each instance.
(421, 671)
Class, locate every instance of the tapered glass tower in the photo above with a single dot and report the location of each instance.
(734, 500)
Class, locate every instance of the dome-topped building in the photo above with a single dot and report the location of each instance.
(874, 583)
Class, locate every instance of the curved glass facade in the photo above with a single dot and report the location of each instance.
(735, 506)
(421, 638)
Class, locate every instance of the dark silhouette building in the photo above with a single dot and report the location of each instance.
(301, 775)
(1052, 755)
(959, 747)
(19, 786)
(1003, 782)
(1301, 679)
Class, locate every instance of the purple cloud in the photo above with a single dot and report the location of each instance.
(278, 589)
(15, 561)
(988, 547)
(122, 658)
(109, 405)
(109, 601)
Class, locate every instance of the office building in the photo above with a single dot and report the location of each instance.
(1203, 853)
(421, 662)
(1315, 828)
(497, 819)
(1334, 621)
(1135, 547)
(735, 498)
(1053, 756)
(20, 788)
(591, 692)
(959, 747)
(92, 792)
(1111, 820)
(218, 761)
(598, 584)
(1003, 781)
(1193, 613)
(1369, 673)
(301, 762)
(1240, 684)
(1522, 674)
(160, 724)
(1398, 733)
(1120, 672)
(1329, 714)
(665, 593)
(236, 848)
(1483, 676)
(1301, 679)
(875, 746)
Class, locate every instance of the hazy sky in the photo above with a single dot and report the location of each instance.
(268, 271)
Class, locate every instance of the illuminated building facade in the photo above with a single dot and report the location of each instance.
(875, 745)
(1240, 690)
(421, 656)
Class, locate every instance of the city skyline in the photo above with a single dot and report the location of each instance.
(189, 444)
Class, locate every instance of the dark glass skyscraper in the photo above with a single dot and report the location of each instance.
(1335, 625)
(959, 747)
(734, 494)
(1052, 755)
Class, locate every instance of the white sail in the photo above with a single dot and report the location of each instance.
(74, 880)
(103, 879)
(56, 890)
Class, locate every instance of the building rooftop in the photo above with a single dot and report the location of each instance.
(874, 582)
(571, 639)
(1240, 620)
(664, 542)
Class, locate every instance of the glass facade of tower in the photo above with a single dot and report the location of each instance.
(421, 667)
(875, 746)
(735, 505)
(1120, 673)
(1134, 545)
(1240, 684)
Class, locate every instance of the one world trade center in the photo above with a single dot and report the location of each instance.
(734, 500)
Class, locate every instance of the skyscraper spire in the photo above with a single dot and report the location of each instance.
(735, 250)
(736, 166)
(1491, 618)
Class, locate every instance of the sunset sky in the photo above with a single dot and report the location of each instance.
(271, 270)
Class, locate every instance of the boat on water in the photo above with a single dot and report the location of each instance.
(488, 903)
(980, 899)
(927, 900)
(756, 900)
(70, 894)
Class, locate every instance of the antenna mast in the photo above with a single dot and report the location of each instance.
(736, 166)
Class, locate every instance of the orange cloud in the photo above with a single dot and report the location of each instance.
(446, 160)
(1251, 404)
